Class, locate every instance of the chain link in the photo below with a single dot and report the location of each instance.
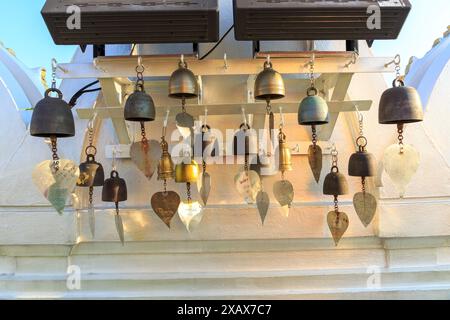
(55, 153)
(165, 186)
(183, 105)
(311, 73)
(189, 195)
(54, 74)
(314, 136)
(400, 137)
(336, 204)
(143, 134)
(91, 196)
(268, 107)
(363, 184)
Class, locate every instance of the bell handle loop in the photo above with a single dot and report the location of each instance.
(114, 174)
(50, 90)
(334, 169)
(91, 148)
(268, 64)
(139, 86)
(281, 136)
(244, 127)
(312, 91)
(90, 158)
(205, 128)
(361, 142)
(398, 83)
(182, 64)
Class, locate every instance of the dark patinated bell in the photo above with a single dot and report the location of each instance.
(206, 145)
(335, 184)
(269, 84)
(313, 109)
(399, 105)
(362, 164)
(139, 107)
(52, 117)
(114, 189)
(245, 141)
(183, 83)
(91, 173)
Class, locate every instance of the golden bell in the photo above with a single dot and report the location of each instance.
(166, 167)
(187, 172)
(284, 155)
(183, 83)
(269, 84)
(399, 105)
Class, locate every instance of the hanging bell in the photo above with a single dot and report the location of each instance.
(114, 189)
(183, 83)
(285, 157)
(186, 172)
(362, 164)
(91, 173)
(269, 84)
(313, 109)
(52, 117)
(245, 141)
(335, 183)
(139, 107)
(166, 166)
(400, 105)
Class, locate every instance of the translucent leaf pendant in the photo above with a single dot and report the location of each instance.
(56, 185)
(401, 166)
(248, 184)
(146, 156)
(204, 187)
(191, 214)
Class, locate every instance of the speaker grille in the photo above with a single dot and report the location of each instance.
(317, 19)
(122, 22)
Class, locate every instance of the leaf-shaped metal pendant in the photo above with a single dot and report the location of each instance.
(401, 166)
(165, 205)
(146, 156)
(191, 214)
(365, 206)
(248, 184)
(283, 192)
(119, 227)
(91, 214)
(315, 161)
(263, 203)
(56, 185)
(204, 187)
(338, 224)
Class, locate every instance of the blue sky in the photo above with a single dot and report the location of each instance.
(22, 29)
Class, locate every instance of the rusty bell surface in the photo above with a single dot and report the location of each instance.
(52, 117)
(187, 172)
(335, 184)
(91, 173)
(114, 189)
(313, 109)
(269, 84)
(183, 83)
(399, 105)
(139, 107)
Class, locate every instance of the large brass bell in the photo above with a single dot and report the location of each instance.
(187, 172)
(269, 84)
(285, 157)
(183, 83)
(91, 173)
(114, 189)
(313, 109)
(52, 117)
(400, 105)
(335, 183)
(139, 106)
(166, 167)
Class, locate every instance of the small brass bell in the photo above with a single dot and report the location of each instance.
(183, 83)
(166, 167)
(187, 172)
(91, 173)
(400, 105)
(335, 183)
(285, 156)
(269, 84)
(313, 109)
(52, 117)
(114, 189)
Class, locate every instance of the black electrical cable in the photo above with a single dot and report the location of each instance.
(79, 93)
(217, 44)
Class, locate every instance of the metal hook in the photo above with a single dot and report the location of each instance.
(225, 62)
(282, 122)
(206, 117)
(114, 154)
(312, 61)
(360, 115)
(355, 56)
(244, 117)
(397, 61)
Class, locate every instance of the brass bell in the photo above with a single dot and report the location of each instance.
(399, 105)
(269, 84)
(335, 183)
(114, 189)
(91, 173)
(285, 156)
(183, 83)
(139, 107)
(52, 117)
(166, 167)
(362, 164)
(187, 172)
(313, 109)
(245, 141)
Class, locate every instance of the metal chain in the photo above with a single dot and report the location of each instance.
(334, 156)
(311, 73)
(314, 136)
(183, 105)
(268, 107)
(336, 204)
(363, 184)
(204, 166)
(165, 185)
(55, 153)
(140, 76)
(189, 196)
(143, 134)
(54, 73)
(91, 196)
(246, 168)
(400, 137)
